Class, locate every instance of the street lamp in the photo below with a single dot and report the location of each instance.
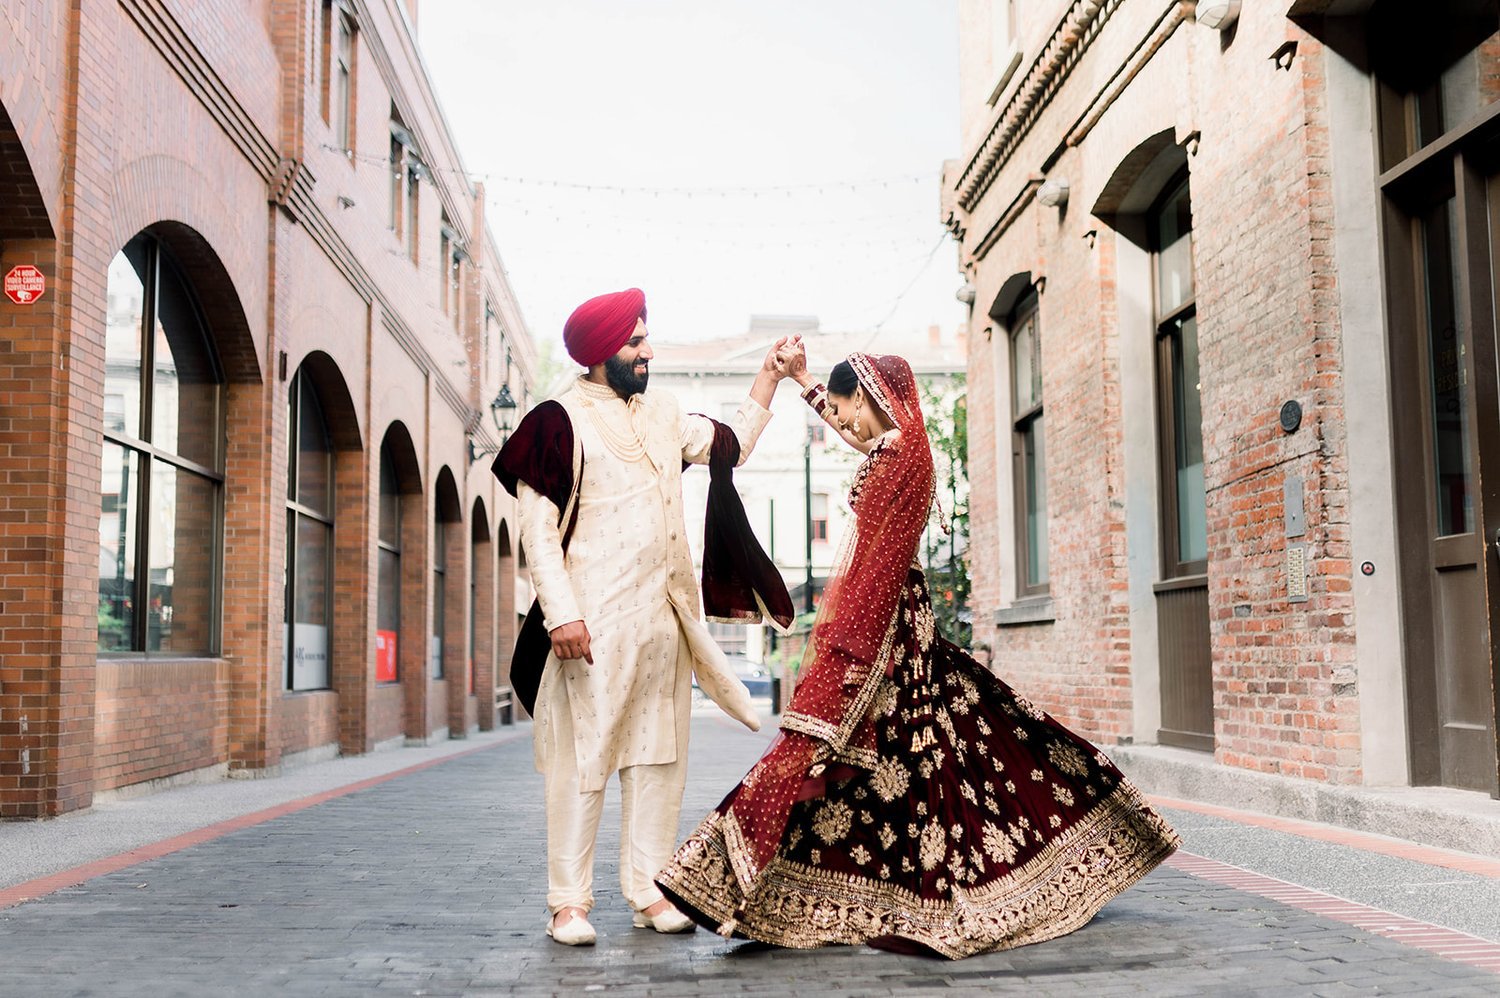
(813, 421)
(503, 415)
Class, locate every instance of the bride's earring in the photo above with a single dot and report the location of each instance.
(859, 405)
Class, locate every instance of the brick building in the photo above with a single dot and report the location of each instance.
(1233, 377)
(240, 522)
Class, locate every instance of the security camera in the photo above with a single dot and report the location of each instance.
(1053, 193)
(1218, 14)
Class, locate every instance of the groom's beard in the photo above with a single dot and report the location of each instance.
(623, 379)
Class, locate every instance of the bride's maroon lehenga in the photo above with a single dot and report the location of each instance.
(912, 801)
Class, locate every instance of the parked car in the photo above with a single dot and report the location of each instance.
(754, 675)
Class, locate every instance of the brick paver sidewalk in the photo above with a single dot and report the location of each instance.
(433, 884)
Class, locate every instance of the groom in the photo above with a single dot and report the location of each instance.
(614, 639)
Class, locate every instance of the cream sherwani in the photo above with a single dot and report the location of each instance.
(628, 575)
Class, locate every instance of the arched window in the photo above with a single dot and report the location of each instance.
(388, 600)
(309, 539)
(163, 462)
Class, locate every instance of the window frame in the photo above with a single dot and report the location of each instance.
(296, 509)
(391, 547)
(1025, 424)
(1166, 330)
(148, 455)
(437, 667)
(343, 27)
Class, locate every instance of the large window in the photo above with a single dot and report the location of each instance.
(406, 168)
(309, 539)
(450, 262)
(820, 516)
(339, 32)
(163, 462)
(1180, 412)
(388, 554)
(1029, 448)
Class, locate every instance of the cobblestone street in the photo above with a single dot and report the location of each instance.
(432, 883)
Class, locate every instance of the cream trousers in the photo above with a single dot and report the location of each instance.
(650, 803)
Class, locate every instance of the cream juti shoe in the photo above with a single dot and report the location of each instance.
(576, 931)
(668, 920)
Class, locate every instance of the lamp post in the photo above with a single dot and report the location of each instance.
(503, 415)
(807, 585)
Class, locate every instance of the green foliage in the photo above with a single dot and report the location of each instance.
(946, 544)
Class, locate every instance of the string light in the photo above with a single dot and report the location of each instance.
(730, 191)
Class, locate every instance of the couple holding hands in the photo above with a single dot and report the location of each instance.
(911, 800)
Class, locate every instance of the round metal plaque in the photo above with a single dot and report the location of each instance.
(1291, 416)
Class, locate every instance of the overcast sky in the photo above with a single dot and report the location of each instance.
(778, 156)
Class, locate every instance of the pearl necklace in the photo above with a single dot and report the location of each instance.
(628, 447)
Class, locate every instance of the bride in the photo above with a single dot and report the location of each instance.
(911, 801)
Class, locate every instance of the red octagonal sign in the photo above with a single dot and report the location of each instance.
(25, 284)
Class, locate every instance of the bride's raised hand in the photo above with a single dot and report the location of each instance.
(793, 359)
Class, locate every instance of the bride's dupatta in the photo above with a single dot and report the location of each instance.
(825, 728)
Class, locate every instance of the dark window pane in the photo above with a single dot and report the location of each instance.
(390, 501)
(1034, 456)
(1470, 83)
(388, 609)
(439, 608)
(184, 519)
(387, 617)
(314, 454)
(185, 385)
(473, 614)
(125, 301)
(1026, 371)
(1450, 389)
(1187, 433)
(308, 640)
(1172, 233)
(118, 515)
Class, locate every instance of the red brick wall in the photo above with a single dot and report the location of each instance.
(1285, 700)
(156, 719)
(192, 156)
(306, 720)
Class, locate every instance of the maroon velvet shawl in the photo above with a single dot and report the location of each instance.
(739, 580)
(738, 577)
(539, 453)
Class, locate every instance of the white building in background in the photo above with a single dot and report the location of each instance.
(786, 483)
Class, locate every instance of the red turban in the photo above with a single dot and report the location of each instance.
(599, 327)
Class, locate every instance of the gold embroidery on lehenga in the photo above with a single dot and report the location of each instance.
(831, 823)
(998, 845)
(1068, 759)
(1062, 795)
(890, 779)
(1053, 893)
(887, 835)
(933, 845)
(860, 855)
